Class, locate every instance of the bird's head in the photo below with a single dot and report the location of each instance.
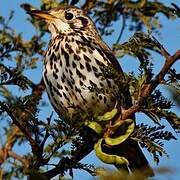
(65, 20)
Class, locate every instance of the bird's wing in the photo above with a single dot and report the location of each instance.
(109, 55)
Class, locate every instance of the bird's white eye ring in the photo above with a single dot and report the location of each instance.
(69, 16)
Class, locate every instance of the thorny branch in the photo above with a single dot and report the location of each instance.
(6, 150)
(23, 129)
(148, 88)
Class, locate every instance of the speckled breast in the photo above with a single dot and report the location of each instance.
(74, 79)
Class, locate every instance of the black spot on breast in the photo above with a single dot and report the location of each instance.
(62, 79)
(81, 83)
(109, 83)
(83, 39)
(51, 64)
(65, 96)
(70, 84)
(54, 46)
(77, 89)
(105, 99)
(80, 74)
(66, 88)
(59, 94)
(66, 70)
(68, 47)
(108, 106)
(56, 69)
(55, 101)
(60, 62)
(72, 39)
(98, 62)
(57, 91)
(76, 57)
(67, 39)
(92, 48)
(59, 86)
(66, 56)
(64, 76)
(57, 47)
(96, 74)
(70, 72)
(49, 52)
(52, 59)
(81, 66)
(100, 97)
(90, 51)
(92, 83)
(73, 64)
(83, 49)
(84, 100)
(101, 84)
(78, 51)
(88, 67)
(55, 58)
(55, 75)
(86, 58)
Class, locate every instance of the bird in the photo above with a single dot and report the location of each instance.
(82, 74)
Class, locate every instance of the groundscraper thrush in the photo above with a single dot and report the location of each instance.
(80, 73)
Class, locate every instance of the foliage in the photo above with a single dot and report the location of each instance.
(47, 139)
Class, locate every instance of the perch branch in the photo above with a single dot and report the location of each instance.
(147, 89)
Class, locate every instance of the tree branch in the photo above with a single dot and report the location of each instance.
(147, 89)
(6, 150)
(20, 126)
(19, 158)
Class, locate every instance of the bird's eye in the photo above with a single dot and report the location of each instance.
(69, 16)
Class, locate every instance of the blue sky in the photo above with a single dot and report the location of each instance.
(170, 37)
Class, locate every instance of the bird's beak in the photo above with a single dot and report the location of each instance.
(41, 14)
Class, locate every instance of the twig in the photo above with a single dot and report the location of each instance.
(122, 29)
(66, 163)
(12, 73)
(35, 146)
(47, 131)
(19, 158)
(147, 89)
(6, 150)
(38, 89)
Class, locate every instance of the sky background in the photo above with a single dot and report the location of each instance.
(169, 37)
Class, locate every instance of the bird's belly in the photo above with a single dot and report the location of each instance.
(69, 92)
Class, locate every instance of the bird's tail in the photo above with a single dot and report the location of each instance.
(132, 152)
